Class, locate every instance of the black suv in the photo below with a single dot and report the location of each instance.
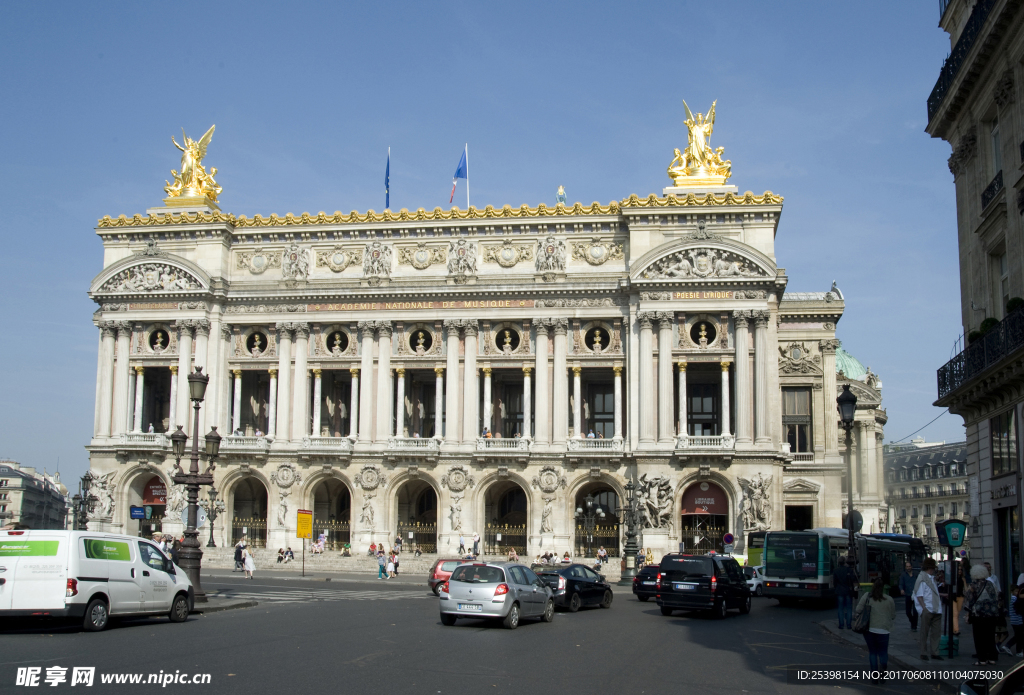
(701, 582)
(645, 583)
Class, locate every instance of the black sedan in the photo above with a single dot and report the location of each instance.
(645, 583)
(576, 586)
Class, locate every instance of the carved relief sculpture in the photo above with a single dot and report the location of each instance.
(366, 515)
(420, 257)
(550, 255)
(508, 254)
(549, 479)
(151, 277)
(796, 358)
(258, 260)
(702, 263)
(461, 258)
(596, 251)
(377, 260)
(338, 259)
(369, 478)
(545, 521)
(295, 264)
(457, 479)
(456, 512)
(757, 505)
(286, 475)
(655, 501)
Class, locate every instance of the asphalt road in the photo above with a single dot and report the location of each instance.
(358, 635)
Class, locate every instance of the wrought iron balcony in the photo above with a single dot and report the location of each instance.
(959, 54)
(992, 190)
(1002, 340)
(327, 445)
(724, 442)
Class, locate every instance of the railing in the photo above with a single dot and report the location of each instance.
(337, 445)
(498, 538)
(418, 535)
(254, 530)
(600, 445)
(803, 456)
(725, 441)
(144, 440)
(234, 443)
(606, 536)
(956, 58)
(336, 533)
(700, 536)
(509, 444)
(992, 190)
(1002, 340)
(424, 445)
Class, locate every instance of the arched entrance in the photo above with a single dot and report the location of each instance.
(506, 511)
(332, 512)
(594, 531)
(249, 502)
(416, 505)
(705, 518)
(147, 502)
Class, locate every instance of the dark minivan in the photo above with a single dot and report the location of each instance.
(645, 583)
(702, 582)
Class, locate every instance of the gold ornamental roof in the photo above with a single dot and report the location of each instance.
(437, 214)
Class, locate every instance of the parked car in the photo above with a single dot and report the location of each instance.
(755, 579)
(1011, 683)
(506, 591)
(440, 572)
(701, 582)
(645, 583)
(575, 586)
(90, 576)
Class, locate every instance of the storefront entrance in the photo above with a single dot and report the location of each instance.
(705, 518)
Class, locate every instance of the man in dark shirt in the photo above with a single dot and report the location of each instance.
(907, 580)
(844, 579)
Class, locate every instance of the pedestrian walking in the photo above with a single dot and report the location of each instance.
(462, 545)
(929, 605)
(239, 547)
(883, 613)
(982, 603)
(476, 544)
(958, 596)
(391, 567)
(247, 562)
(394, 556)
(381, 564)
(1016, 624)
(906, 585)
(844, 578)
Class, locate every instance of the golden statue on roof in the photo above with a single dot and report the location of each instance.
(193, 182)
(698, 164)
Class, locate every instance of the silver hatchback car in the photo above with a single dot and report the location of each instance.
(499, 590)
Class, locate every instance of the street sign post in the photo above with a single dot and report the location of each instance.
(137, 512)
(200, 516)
(951, 533)
(304, 530)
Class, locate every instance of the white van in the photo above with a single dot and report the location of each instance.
(93, 576)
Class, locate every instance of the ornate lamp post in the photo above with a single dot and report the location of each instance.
(213, 511)
(82, 503)
(589, 520)
(630, 516)
(847, 403)
(191, 554)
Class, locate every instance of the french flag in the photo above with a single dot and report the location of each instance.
(461, 172)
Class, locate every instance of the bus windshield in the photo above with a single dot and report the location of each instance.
(791, 555)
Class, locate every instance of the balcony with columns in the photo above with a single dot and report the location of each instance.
(242, 445)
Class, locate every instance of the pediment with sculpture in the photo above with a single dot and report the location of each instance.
(151, 270)
(704, 261)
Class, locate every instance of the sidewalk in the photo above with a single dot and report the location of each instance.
(214, 604)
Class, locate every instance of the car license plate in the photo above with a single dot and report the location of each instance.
(792, 586)
(679, 586)
(470, 607)
(649, 583)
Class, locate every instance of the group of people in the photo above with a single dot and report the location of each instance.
(243, 558)
(285, 556)
(387, 560)
(550, 558)
(169, 545)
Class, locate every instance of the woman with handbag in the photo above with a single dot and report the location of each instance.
(982, 603)
(874, 618)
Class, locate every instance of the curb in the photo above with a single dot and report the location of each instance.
(207, 608)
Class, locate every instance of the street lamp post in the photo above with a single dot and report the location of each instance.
(589, 520)
(847, 403)
(191, 554)
(216, 507)
(629, 515)
(81, 504)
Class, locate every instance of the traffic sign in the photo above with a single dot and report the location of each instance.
(304, 524)
(727, 549)
(728, 539)
(855, 518)
(200, 516)
(137, 512)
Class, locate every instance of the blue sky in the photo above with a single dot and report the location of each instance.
(823, 103)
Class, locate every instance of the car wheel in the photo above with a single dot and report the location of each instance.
(720, 609)
(447, 619)
(606, 602)
(512, 619)
(549, 612)
(575, 603)
(759, 590)
(97, 615)
(179, 609)
(745, 608)
(644, 598)
(665, 610)
(437, 590)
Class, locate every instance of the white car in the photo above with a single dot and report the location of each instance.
(755, 579)
(87, 575)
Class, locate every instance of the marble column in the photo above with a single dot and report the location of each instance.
(400, 402)
(527, 395)
(683, 427)
(184, 369)
(743, 411)
(353, 403)
(124, 343)
(272, 406)
(438, 401)
(384, 378)
(129, 423)
(99, 383)
(108, 335)
(762, 435)
(560, 386)
(317, 391)
(618, 401)
(488, 400)
(202, 360)
(300, 411)
(646, 358)
(366, 333)
(830, 393)
(725, 399)
(140, 388)
(666, 416)
(172, 421)
(577, 402)
(471, 392)
(451, 409)
(236, 401)
(542, 426)
(214, 368)
(284, 381)
(221, 379)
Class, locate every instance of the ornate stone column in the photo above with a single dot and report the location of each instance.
(618, 401)
(666, 426)
(367, 329)
(471, 392)
(300, 419)
(577, 403)
(221, 380)
(184, 369)
(124, 343)
(451, 417)
(438, 401)
(683, 424)
(284, 383)
(140, 388)
(829, 395)
(171, 420)
(647, 422)
(236, 402)
(542, 426)
(353, 403)
(202, 329)
(317, 391)
(743, 412)
(527, 395)
(108, 334)
(761, 356)
(560, 378)
(725, 399)
(384, 393)
(400, 402)
(272, 405)
(129, 423)
(488, 400)
(214, 368)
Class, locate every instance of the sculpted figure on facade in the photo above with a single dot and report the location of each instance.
(282, 508)
(366, 515)
(457, 479)
(177, 499)
(193, 181)
(699, 161)
(757, 504)
(701, 263)
(295, 264)
(545, 519)
(508, 254)
(461, 257)
(286, 475)
(369, 478)
(377, 260)
(456, 512)
(796, 358)
(655, 497)
(103, 492)
(257, 261)
(550, 255)
(151, 277)
(549, 479)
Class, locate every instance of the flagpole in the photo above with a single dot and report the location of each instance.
(467, 176)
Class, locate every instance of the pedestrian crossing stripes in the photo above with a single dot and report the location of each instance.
(310, 596)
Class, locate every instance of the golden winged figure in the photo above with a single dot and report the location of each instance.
(698, 162)
(193, 181)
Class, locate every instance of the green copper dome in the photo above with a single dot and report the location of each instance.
(849, 365)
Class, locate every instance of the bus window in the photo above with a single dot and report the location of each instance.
(791, 555)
